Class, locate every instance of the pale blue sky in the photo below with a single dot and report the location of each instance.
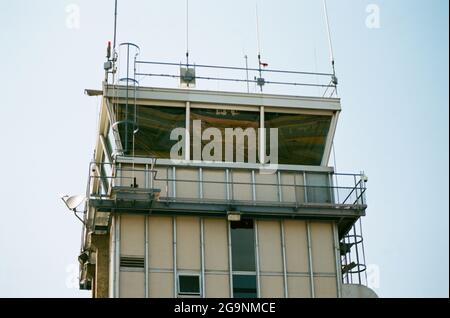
(394, 125)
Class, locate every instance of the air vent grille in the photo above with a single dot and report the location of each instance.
(132, 262)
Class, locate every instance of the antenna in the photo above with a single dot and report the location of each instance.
(257, 30)
(187, 32)
(260, 80)
(330, 43)
(246, 70)
(115, 25)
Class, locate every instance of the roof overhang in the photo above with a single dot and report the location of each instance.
(223, 98)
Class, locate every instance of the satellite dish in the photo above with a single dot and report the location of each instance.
(73, 202)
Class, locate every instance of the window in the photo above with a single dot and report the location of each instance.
(244, 286)
(223, 119)
(111, 142)
(189, 285)
(301, 138)
(152, 130)
(243, 246)
(243, 259)
(105, 174)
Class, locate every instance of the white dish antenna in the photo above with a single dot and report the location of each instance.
(73, 202)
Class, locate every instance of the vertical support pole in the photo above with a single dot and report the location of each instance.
(227, 184)
(305, 187)
(258, 272)
(361, 187)
(146, 255)
(174, 182)
(355, 237)
(112, 281)
(262, 136)
(119, 175)
(331, 188)
(175, 272)
(230, 259)
(200, 183)
(187, 141)
(283, 249)
(146, 177)
(167, 182)
(117, 259)
(311, 269)
(337, 256)
(363, 249)
(280, 190)
(202, 255)
(253, 186)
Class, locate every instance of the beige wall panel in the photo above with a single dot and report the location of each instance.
(132, 238)
(161, 285)
(242, 191)
(160, 242)
(188, 189)
(322, 247)
(272, 287)
(216, 244)
(127, 176)
(217, 286)
(270, 253)
(325, 287)
(299, 287)
(214, 191)
(296, 246)
(268, 193)
(301, 190)
(288, 192)
(132, 285)
(188, 243)
(162, 185)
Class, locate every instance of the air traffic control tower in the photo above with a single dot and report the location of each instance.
(225, 226)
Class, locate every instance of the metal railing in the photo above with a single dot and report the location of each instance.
(238, 185)
(216, 77)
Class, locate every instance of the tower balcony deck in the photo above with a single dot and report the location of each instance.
(140, 185)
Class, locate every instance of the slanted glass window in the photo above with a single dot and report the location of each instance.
(301, 138)
(152, 130)
(243, 246)
(189, 285)
(223, 119)
(111, 142)
(244, 286)
(105, 174)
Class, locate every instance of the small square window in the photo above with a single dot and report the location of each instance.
(189, 285)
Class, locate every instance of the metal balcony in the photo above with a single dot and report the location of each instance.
(194, 189)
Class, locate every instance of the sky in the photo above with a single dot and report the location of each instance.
(392, 63)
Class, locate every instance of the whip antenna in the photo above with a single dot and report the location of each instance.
(187, 32)
(330, 43)
(115, 25)
(260, 81)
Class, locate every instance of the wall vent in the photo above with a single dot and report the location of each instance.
(132, 262)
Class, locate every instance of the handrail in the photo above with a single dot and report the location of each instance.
(126, 175)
